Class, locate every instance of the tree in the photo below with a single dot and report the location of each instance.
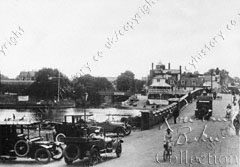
(92, 86)
(46, 85)
(210, 71)
(139, 85)
(224, 77)
(3, 76)
(217, 71)
(125, 82)
(196, 73)
(189, 74)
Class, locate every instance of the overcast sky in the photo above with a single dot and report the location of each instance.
(66, 34)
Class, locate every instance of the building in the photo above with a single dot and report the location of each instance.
(212, 81)
(18, 85)
(190, 82)
(27, 75)
(172, 76)
(163, 84)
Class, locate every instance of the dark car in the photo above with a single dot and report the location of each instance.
(91, 146)
(204, 107)
(114, 127)
(74, 126)
(21, 138)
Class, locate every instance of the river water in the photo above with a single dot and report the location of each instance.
(99, 115)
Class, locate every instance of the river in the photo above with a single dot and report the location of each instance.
(99, 115)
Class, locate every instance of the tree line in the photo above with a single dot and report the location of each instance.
(46, 87)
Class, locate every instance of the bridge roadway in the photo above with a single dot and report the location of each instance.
(145, 148)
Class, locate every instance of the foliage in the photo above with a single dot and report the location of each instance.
(3, 76)
(189, 74)
(46, 85)
(91, 85)
(125, 82)
(139, 85)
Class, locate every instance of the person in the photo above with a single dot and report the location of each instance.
(229, 106)
(168, 138)
(190, 97)
(236, 123)
(168, 135)
(176, 114)
(234, 98)
(214, 95)
(228, 111)
(98, 134)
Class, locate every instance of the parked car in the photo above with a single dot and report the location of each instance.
(21, 138)
(74, 126)
(113, 125)
(203, 107)
(91, 146)
(77, 125)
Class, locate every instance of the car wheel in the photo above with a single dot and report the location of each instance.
(128, 131)
(72, 152)
(68, 162)
(21, 148)
(119, 150)
(94, 157)
(121, 132)
(42, 156)
(57, 154)
(59, 137)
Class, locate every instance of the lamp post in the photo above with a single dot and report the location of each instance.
(85, 103)
(58, 92)
(211, 80)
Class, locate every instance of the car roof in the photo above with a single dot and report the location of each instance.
(204, 98)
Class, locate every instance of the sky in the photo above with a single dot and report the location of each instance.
(108, 37)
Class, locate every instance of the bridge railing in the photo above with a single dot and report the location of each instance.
(153, 117)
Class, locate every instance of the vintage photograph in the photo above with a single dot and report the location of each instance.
(120, 83)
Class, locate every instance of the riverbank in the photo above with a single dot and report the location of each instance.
(33, 105)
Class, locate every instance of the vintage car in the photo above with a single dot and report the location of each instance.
(91, 146)
(81, 124)
(74, 126)
(113, 125)
(204, 107)
(21, 138)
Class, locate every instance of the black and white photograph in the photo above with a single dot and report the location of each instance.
(120, 83)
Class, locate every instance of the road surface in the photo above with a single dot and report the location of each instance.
(217, 145)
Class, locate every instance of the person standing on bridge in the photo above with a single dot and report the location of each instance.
(176, 112)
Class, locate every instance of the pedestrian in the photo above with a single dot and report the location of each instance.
(176, 113)
(236, 123)
(214, 95)
(190, 97)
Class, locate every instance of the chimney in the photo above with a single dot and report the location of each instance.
(180, 69)
(169, 66)
(152, 66)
